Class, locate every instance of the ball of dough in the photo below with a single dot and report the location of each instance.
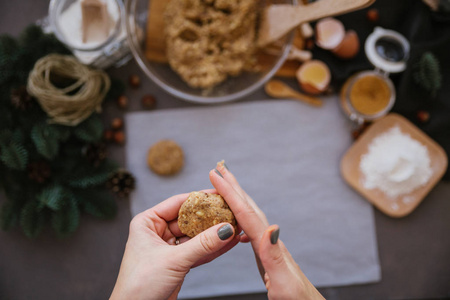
(203, 210)
(165, 157)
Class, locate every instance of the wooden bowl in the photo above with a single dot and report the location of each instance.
(406, 203)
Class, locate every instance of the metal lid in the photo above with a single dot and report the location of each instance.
(387, 50)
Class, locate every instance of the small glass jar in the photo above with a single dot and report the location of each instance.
(369, 95)
(65, 21)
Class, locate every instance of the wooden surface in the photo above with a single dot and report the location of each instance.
(414, 251)
(155, 45)
(393, 207)
(278, 20)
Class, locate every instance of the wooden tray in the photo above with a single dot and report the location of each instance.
(155, 45)
(403, 204)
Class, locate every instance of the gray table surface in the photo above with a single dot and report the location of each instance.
(414, 251)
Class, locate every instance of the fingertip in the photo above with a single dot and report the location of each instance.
(225, 231)
(274, 234)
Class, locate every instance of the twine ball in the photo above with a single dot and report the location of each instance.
(72, 104)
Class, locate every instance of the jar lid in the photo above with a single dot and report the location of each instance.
(387, 50)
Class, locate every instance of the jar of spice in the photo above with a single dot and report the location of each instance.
(369, 95)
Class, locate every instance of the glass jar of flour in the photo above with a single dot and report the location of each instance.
(93, 29)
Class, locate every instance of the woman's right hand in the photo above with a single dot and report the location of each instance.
(282, 276)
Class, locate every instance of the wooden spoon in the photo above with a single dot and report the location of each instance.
(278, 89)
(278, 20)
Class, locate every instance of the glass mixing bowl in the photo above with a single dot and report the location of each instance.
(231, 89)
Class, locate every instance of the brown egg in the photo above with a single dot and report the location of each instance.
(349, 47)
(314, 77)
(329, 33)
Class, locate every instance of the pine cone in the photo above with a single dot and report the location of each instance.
(39, 171)
(95, 153)
(20, 98)
(122, 183)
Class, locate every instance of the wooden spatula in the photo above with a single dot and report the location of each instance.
(277, 20)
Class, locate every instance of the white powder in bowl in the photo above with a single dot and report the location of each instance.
(395, 163)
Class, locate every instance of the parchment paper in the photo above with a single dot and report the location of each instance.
(286, 155)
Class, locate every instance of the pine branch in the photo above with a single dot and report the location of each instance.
(53, 197)
(46, 140)
(90, 177)
(14, 156)
(90, 130)
(66, 220)
(31, 220)
(427, 73)
(98, 203)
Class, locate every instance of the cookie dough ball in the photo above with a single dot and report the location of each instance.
(201, 211)
(165, 157)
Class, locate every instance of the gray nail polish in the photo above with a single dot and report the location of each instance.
(226, 167)
(274, 236)
(218, 173)
(225, 232)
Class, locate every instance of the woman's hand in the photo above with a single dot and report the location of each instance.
(281, 274)
(153, 266)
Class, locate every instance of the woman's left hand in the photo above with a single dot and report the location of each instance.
(153, 266)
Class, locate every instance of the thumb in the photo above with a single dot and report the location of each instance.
(273, 258)
(207, 243)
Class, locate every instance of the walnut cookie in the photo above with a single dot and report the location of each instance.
(202, 210)
(165, 157)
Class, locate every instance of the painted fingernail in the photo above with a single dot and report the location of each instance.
(218, 173)
(225, 232)
(274, 236)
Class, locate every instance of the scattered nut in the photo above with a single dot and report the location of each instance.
(108, 135)
(134, 81)
(309, 44)
(122, 102)
(148, 102)
(119, 137)
(373, 15)
(117, 123)
(423, 116)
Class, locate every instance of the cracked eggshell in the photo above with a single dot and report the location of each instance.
(329, 33)
(314, 77)
(349, 47)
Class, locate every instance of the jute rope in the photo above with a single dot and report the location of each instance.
(73, 104)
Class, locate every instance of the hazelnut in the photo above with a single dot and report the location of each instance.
(423, 116)
(309, 44)
(117, 123)
(122, 102)
(134, 81)
(148, 102)
(108, 135)
(119, 137)
(373, 15)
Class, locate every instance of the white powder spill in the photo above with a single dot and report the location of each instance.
(395, 163)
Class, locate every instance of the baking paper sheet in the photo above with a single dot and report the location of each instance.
(286, 155)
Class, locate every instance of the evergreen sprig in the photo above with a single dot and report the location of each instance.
(14, 156)
(90, 130)
(75, 186)
(31, 219)
(97, 203)
(427, 73)
(66, 220)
